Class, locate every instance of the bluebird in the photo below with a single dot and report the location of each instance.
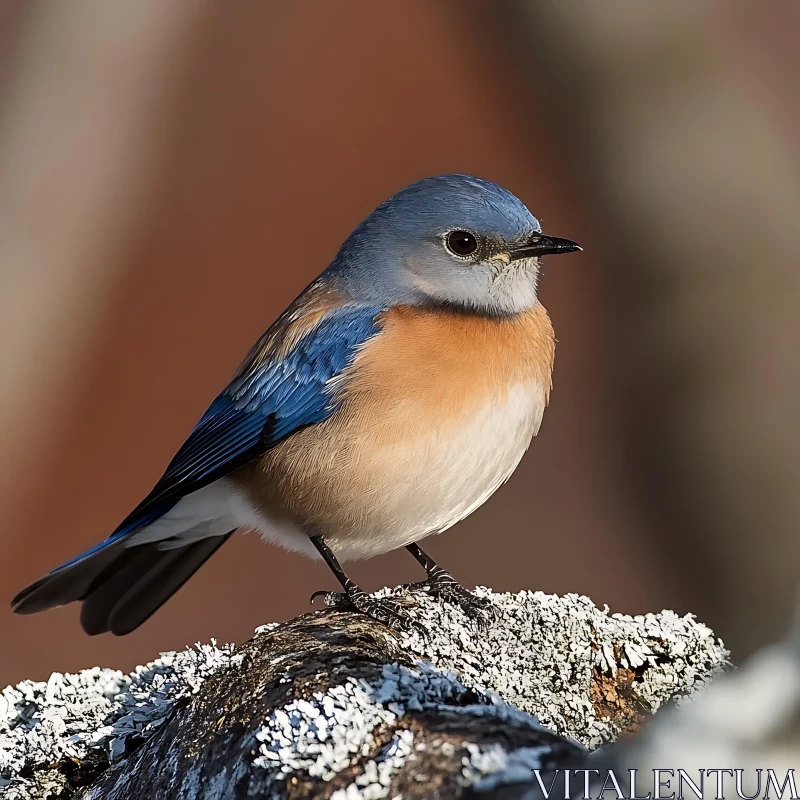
(388, 402)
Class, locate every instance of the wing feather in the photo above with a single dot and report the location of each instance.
(267, 401)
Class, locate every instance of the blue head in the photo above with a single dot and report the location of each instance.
(452, 240)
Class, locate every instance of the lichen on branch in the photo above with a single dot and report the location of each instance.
(333, 704)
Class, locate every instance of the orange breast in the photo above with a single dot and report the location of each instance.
(436, 411)
(445, 362)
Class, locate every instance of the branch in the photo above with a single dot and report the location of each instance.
(750, 721)
(333, 704)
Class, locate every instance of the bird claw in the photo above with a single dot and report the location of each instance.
(444, 586)
(328, 598)
(384, 610)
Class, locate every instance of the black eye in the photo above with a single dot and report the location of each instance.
(462, 243)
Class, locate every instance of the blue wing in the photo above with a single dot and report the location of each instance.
(271, 398)
(267, 401)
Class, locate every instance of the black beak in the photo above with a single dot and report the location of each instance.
(541, 245)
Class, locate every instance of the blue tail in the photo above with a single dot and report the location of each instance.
(119, 583)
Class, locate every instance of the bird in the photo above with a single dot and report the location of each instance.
(390, 400)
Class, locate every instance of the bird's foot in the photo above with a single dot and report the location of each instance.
(386, 611)
(446, 587)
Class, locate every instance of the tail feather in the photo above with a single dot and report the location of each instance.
(120, 584)
(69, 582)
(134, 565)
(77, 577)
(129, 597)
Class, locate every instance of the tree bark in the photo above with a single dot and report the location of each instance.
(334, 704)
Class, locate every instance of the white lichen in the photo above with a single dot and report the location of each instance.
(540, 657)
(490, 767)
(321, 735)
(750, 719)
(91, 714)
(543, 653)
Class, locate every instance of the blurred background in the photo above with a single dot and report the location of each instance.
(173, 174)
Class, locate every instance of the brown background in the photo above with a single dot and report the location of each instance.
(261, 134)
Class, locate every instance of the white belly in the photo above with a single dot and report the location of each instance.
(412, 488)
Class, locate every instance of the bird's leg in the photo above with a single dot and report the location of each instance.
(386, 611)
(441, 583)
